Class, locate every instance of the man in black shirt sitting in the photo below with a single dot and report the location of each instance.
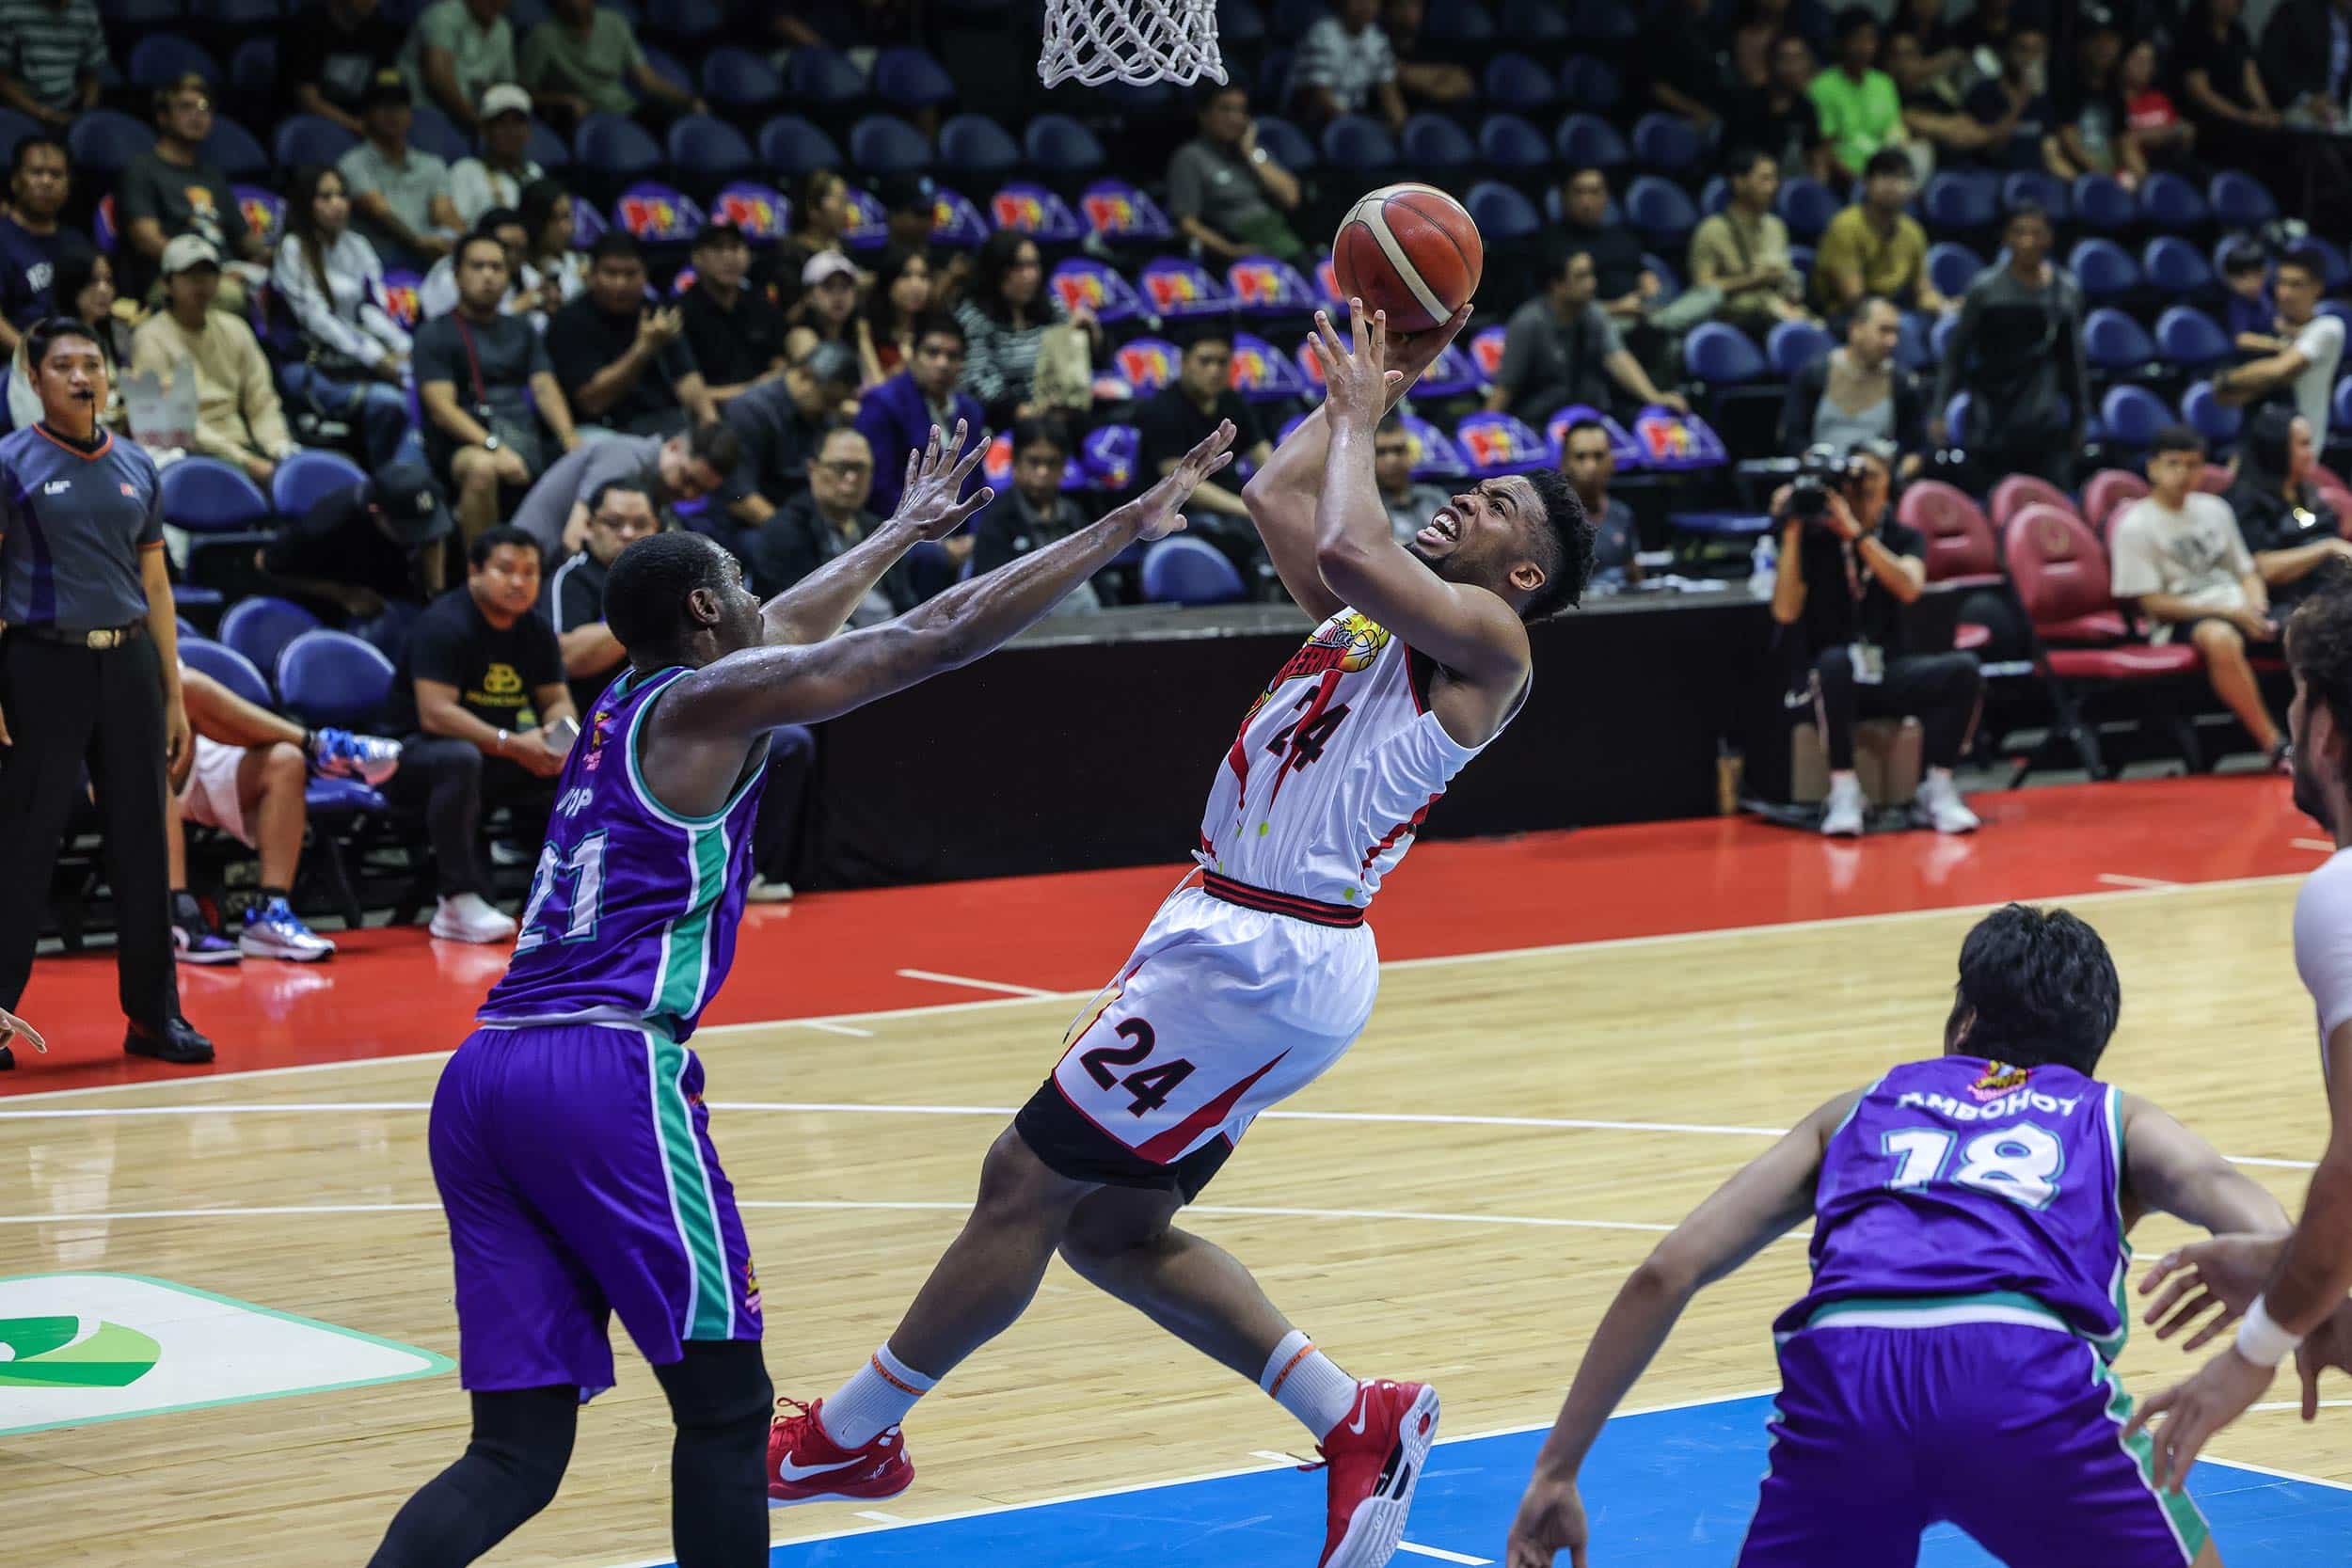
(778, 424)
(1178, 416)
(477, 690)
(622, 360)
(620, 512)
(735, 335)
(826, 519)
(1847, 568)
(372, 551)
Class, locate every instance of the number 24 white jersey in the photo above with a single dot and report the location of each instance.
(1336, 765)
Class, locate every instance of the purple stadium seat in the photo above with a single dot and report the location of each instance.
(332, 677)
(260, 626)
(1147, 364)
(1186, 571)
(309, 476)
(1084, 281)
(225, 665)
(205, 494)
(1515, 82)
(793, 146)
(655, 213)
(1037, 213)
(1177, 287)
(734, 78)
(761, 212)
(977, 145)
(1496, 443)
(1118, 212)
(1262, 372)
(1263, 286)
(1435, 455)
(2186, 336)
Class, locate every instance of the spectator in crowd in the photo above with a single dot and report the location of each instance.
(1678, 52)
(1936, 120)
(622, 359)
(33, 241)
(2094, 140)
(437, 294)
(910, 203)
(53, 58)
(2154, 122)
(457, 49)
(585, 59)
(668, 469)
(1857, 394)
(1036, 513)
(1180, 414)
(1408, 503)
(173, 189)
(1875, 247)
(2286, 520)
(399, 192)
(1845, 573)
(1226, 193)
(620, 512)
(2248, 314)
(821, 215)
(2180, 562)
(1561, 347)
(2017, 351)
(1439, 83)
(828, 517)
(490, 392)
(250, 770)
(238, 417)
(1345, 66)
(477, 690)
(2298, 364)
(778, 425)
(1934, 36)
(2305, 59)
(496, 175)
(368, 555)
(1626, 283)
(1588, 462)
(896, 417)
(2014, 107)
(354, 359)
(828, 305)
(328, 57)
(90, 678)
(1005, 318)
(84, 290)
(1780, 117)
(1742, 251)
(553, 273)
(735, 335)
(1861, 112)
(2220, 88)
(885, 328)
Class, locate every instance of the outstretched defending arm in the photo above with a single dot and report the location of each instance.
(758, 688)
(1763, 1202)
(820, 603)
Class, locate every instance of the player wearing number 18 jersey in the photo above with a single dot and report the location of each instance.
(1251, 983)
(1951, 1361)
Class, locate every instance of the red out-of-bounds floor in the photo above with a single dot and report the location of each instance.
(397, 992)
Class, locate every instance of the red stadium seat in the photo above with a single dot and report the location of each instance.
(2019, 491)
(2103, 499)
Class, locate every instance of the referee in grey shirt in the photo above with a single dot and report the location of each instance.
(89, 678)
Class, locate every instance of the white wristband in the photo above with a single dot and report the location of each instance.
(2260, 1339)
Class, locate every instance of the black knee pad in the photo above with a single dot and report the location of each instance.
(526, 1436)
(719, 1384)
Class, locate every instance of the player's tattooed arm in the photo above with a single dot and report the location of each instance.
(820, 603)
(1763, 1202)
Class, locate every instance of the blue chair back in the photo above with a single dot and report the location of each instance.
(232, 147)
(1806, 205)
(1517, 83)
(1500, 212)
(309, 477)
(102, 141)
(617, 145)
(2103, 205)
(332, 677)
(160, 58)
(709, 147)
(1722, 354)
(1534, 20)
(2206, 414)
(1059, 145)
(1495, 443)
(2171, 203)
(2240, 201)
(1662, 210)
(1590, 83)
(1186, 571)
(2047, 191)
(205, 494)
(1083, 280)
(1464, 22)
(1433, 142)
(2113, 342)
(1665, 142)
(739, 79)
(1037, 212)
(1608, 21)
(1793, 345)
(2174, 266)
(1120, 213)
(436, 134)
(793, 146)
(1358, 143)
(885, 144)
(976, 144)
(2186, 336)
(2105, 269)
(823, 77)
(1952, 266)
(1509, 142)
(260, 627)
(2132, 415)
(1178, 286)
(546, 149)
(225, 665)
(1287, 144)
(1587, 141)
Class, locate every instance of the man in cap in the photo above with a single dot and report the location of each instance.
(736, 335)
(370, 552)
(496, 176)
(239, 418)
(779, 425)
(399, 193)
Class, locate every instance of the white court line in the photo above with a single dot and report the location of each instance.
(1663, 939)
(937, 978)
(824, 1026)
(2296, 1405)
(1271, 1457)
(1439, 1553)
(881, 1518)
(2325, 847)
(2115, 879)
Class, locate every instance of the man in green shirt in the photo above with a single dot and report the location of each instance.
(585, 59)
(1861, 112)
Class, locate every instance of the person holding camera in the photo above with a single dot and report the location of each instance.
(1846, 569)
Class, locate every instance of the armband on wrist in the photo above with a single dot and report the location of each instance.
(2260, 1339)
(499, 746)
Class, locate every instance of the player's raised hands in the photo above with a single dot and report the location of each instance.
(1550, 1521)
(934, 475)
(1356, 379)
(2194, 1411)
(1154, 511)
(2222, 1276)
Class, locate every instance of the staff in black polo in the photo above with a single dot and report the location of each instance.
(89, 678)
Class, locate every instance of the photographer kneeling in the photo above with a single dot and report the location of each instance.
(1846, 571)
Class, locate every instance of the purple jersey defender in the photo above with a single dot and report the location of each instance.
(569, 1138)
(1951, 1361)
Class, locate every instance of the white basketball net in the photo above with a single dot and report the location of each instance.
(1137, 42)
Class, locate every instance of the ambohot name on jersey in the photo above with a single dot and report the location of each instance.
(2008, 1106)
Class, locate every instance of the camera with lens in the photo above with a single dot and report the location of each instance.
(1821, 470)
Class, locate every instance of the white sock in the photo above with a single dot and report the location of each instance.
(877, 1398)
(1844, 778)
(1939, 775)
(1308, 1383)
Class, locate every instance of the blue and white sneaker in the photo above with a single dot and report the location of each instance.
(201, 945)
(340, 754)
(272, 931)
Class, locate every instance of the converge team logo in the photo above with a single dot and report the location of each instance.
(79, 1348)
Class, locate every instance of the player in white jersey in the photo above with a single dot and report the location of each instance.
(1255, 978)
(2290, 1288)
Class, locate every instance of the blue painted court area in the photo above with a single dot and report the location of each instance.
(1665, 1489)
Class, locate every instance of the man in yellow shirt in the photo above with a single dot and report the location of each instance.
(239, 418)
(1875, 247)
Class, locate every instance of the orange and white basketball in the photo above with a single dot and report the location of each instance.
(1411, 250)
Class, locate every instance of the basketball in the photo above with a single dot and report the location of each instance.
(1411, 250)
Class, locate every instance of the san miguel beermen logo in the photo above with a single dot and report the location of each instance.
(1998, 1079)
(1348, 643)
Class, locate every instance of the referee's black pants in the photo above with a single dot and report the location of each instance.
(69, 707)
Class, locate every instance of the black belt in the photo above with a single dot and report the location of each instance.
(1313, 910)
(97, 637)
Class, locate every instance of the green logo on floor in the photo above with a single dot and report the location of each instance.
(79, 1348)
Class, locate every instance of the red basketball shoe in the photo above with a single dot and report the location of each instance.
(1374, 1458)
(805, 1463)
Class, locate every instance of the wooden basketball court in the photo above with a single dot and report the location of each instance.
(1456, 1202)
